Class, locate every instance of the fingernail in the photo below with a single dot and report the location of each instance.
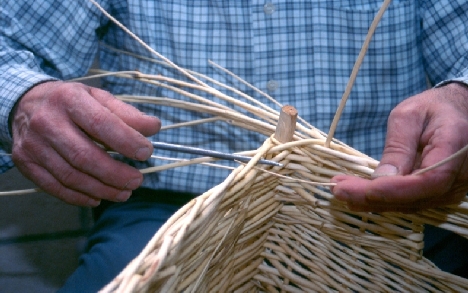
(124, 195)
(340, 194)
(93, 202)
(385, 170)
(132, 184)
(142, 154)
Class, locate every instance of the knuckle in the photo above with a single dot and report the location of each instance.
(68, 177)
(403, 111)
(97, 123)
(78, 156)
(40, 121)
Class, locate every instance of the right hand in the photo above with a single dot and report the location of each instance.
(55, 129)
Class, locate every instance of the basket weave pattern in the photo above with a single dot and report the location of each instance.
(260, 232)
(279, 229)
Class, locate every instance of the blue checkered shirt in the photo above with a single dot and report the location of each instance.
(300, 52)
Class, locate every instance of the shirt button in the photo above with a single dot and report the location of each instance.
(272, 85)
(269, 8)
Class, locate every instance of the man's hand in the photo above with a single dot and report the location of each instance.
(422, 131)
(55, 129)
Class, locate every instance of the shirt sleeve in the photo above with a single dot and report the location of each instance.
(445, 40)
(40, 41)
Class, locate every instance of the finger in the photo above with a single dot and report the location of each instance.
(451, 198)
(72, 178)
(145, 124)
(79, 151)
(102, 125)
(404, 129)
(86, 157)
(389, 189)
(47, 183)
(75, 179)
(441, 142)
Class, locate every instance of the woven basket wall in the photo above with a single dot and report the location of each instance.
(279, 229)
(257, 232)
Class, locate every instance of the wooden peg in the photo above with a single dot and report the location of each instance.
(286, 124)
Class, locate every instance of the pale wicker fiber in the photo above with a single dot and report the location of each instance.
(279, 229)
(259, 232)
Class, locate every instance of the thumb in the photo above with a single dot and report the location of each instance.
(404, 129)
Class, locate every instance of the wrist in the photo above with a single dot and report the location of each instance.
(14, 109)
(456, 92)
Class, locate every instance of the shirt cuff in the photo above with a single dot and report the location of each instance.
(15, 81)
(461, 78)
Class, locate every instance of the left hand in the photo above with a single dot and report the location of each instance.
(422, 131)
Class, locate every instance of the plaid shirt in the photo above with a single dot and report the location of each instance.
(300, 52)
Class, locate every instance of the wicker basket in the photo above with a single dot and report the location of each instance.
(279, 229)
(261, 232)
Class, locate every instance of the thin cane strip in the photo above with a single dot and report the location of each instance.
(237, 219)
(149, 78)
(427, 271)
(302, 282)
(197, 262)
(287, 198)
(175, 165)
(263, 216)
(262, 205)
(221, 242)
(320, 161)
(252, 248)
(170, 284)
(237, 118)
(191, 123)
(454, 218)
(185, 93)
(304, 246)
(284, 248)
(204, 163)
(355, 70)
(267, 217)
(248, 272)
(98, 73)
(20, 192)
(252, 109)
(196, 243)
(444, 161)
(271, 99)
(321, 142)
(243, 105)
(135, 37)
(347, 235)
(229, 268)
(252, 245)
(315, 169)
(344, 256)
(288, 243)
(308, 129)
(269, 283)
(352, 221)
(346, 222)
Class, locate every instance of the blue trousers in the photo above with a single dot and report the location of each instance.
(120, 233)
(122, 230)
